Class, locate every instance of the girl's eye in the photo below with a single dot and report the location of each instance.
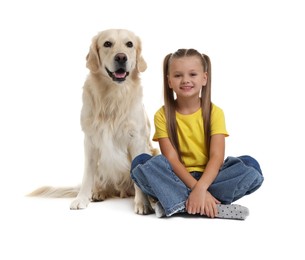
(193, 74)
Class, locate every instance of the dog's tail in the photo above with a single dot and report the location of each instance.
(52, 192)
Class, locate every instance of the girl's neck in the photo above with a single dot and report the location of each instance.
(187, 106)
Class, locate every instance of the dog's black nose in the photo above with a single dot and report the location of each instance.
(121, 58)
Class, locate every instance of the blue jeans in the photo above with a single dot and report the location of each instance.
(238, 176)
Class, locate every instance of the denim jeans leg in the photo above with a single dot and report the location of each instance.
(239, 176)
(140, 159)
(138, 177)
(156, 178)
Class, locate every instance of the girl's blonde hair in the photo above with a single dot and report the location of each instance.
(169, 98)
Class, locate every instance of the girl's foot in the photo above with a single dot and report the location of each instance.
(159, 210)
(232, 211)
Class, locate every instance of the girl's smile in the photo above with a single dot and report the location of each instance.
(186, 88)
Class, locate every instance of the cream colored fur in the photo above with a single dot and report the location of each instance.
(114, 122)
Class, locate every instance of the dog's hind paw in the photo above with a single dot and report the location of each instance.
(79, 203)
(143, 209)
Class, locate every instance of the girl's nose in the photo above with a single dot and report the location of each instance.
(185, 80)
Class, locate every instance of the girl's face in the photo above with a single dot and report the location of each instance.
(186, 76)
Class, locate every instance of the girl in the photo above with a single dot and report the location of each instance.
(191, 175)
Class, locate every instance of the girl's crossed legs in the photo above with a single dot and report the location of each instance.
(238, 176)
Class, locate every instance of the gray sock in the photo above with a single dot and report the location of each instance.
(159, 210)
(232, 211)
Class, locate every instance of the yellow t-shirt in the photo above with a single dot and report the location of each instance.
(191, 135)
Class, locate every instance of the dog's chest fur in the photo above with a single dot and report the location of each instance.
(111, 114)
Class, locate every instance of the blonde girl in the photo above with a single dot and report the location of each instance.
(190, 175)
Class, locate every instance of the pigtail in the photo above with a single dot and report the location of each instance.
(169, 106)
(206, 103)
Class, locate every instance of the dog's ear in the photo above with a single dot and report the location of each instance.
(93, 59)
(141, 63)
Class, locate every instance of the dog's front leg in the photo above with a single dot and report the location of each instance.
(85, 194)
(142, 205)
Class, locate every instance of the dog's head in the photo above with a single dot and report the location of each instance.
(116, 53)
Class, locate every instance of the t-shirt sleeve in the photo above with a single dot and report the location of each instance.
(160, 125)
(218, 123)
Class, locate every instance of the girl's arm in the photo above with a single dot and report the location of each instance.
(200, 200)
(217, 153)
(172, 156)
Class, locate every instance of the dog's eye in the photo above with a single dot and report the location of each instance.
(129, 44)
(107, 44)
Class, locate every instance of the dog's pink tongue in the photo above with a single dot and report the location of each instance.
(120, 75)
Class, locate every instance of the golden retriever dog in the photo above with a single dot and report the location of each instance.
(114, 121)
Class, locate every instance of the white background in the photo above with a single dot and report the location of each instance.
(257, 54)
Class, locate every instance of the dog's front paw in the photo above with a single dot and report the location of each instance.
(143, 208)
(80, 203)
(142, 205)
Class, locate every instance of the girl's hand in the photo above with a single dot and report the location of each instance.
(210, 207)
(200, 201)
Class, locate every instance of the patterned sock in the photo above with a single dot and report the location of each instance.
(232, 211)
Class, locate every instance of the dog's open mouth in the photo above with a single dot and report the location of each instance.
(119, 75)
